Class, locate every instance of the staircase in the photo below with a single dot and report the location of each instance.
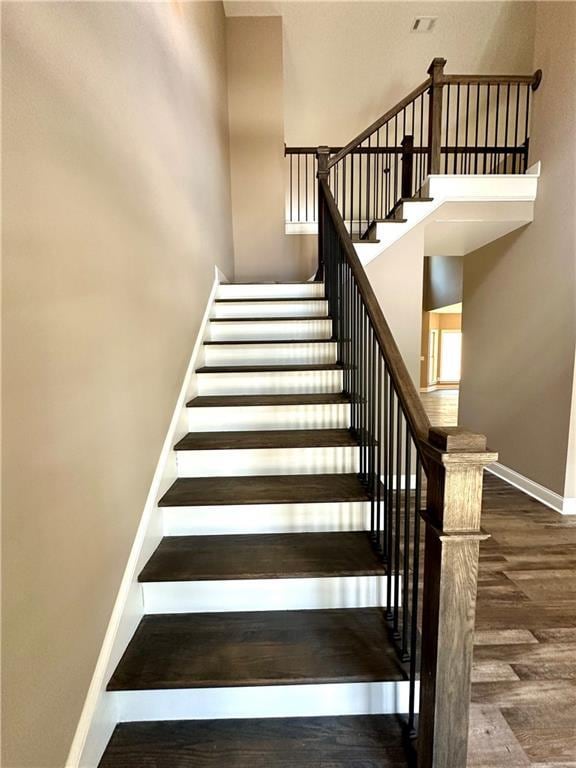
(265, 640)
(312, 602)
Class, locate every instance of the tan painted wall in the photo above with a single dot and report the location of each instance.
(443, 277)
(396, 277)
(255, 93)
(519, 319)
(116, 208)
(346, 63)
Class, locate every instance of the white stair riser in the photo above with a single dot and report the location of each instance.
(295, 308)
(269, 417)
(270, 329)
(263, 701)
(268, 461)
(271, 291)
(269, 383)
(266, 518)
(264, 594)
(273, 354)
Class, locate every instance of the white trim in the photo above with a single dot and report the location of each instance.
(307, 700)
(99, 714)
(562, 504)
(288, 594)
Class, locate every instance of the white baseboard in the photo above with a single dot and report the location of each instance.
(562, 504)
(99, 714)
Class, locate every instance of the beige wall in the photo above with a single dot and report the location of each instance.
(519, 318)
(116, 208)
(396, 277)
(443, 276)
(255, 93)
(345, 63)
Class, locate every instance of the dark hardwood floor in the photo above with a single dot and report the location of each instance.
(524, 678)
(206, 650)
(263, 556)
(310, 742)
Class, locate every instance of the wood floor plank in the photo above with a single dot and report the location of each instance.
(266, 556)
(267, 438)
(264, 489)
(361, 741)
(258, 648)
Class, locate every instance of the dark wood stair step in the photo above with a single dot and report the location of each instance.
(264, 489)
(223, 401)
(269, 368)
(359, 741)
(213, 650)
(262, 556)
(266, 438)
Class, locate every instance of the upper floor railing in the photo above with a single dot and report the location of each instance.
(450, 124)
(425, 483)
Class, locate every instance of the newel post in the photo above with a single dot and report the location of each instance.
(456, 459)
(323, 158)
(436, 72)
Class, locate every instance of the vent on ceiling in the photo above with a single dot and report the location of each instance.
(424, 23)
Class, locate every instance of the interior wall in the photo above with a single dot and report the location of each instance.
(116, 197)
(443, 278)
(396, 278)
(519, 308)
(256, 105)
(346, 63)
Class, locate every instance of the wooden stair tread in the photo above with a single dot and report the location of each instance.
(272, 318)
(270, 368)
(262, 556)
(219, 401)
(213, 650)
(266, 438)
(361, 741)
(264, 489)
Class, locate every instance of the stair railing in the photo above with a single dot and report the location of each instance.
(449, 124)
(431, 567)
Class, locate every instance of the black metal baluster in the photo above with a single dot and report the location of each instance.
(397, 527)
(406, 566)
(384, 440)
(477, 127)
(415, 601)
(506, 124)
(390, 543)
(455, 162)
(447, 87)
(378, 446)
(517, 117)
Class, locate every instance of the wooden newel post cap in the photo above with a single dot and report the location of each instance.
(456, 440)
(436, 67)
(323, 155)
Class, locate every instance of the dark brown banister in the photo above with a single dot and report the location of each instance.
(431, 584)
(411, 402)
(386, 117)
(432, 579)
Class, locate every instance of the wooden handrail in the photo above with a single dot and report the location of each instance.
(406, 391)
(533, 80)
(380, 122)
